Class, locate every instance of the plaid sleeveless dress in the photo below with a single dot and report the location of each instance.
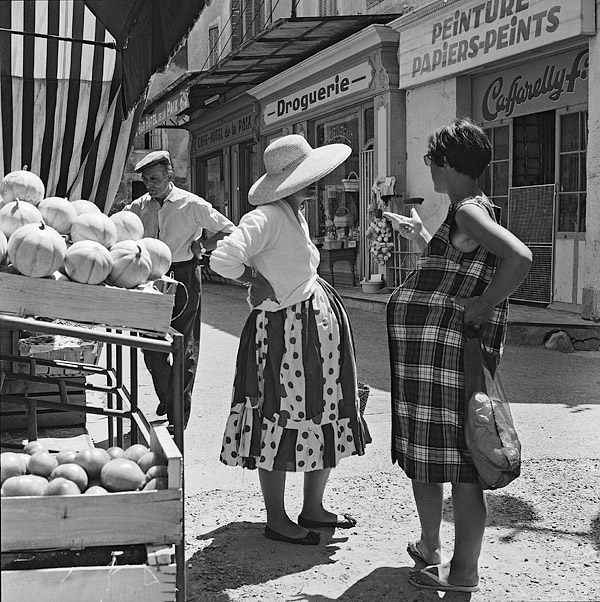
(425, 333)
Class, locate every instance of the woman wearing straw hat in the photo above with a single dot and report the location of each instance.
(295, 402)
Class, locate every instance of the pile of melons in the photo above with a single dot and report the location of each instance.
(74, 240)
(95, 471)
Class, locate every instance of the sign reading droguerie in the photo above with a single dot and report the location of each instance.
(164, 111)
(333, 88)
(535, 86)
(227, 132)
(477, 32)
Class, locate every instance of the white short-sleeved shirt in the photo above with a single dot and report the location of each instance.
(181, 220)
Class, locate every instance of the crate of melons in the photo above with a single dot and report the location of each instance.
(66, 259)
(93, 497)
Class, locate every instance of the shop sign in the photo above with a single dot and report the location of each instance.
(475, 33)
(165, 111)
(227, 132)
(336, 87)
(532, 87)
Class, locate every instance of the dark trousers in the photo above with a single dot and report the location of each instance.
(186, 320)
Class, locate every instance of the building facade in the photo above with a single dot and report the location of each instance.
(525, 71)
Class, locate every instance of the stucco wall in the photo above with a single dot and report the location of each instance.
(591, 287)
(427, 108)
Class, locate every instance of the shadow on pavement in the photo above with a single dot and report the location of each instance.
(237, 554)
(385, 584)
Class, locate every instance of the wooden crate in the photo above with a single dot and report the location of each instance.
(153, 518)
(143, 308)
(13, 416)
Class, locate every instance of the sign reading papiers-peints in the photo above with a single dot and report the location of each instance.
(477, 32)
(336, 87)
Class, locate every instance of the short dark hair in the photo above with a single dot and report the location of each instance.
(463, 145)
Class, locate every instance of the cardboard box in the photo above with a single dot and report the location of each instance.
(144, 308)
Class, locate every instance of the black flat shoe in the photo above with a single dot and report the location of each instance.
(347, 523)
(310, 539)
(161, 409)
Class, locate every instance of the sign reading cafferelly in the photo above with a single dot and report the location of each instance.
(164, 111)
(534, 86)
(227, 132)
(333, 88)
(477, 32)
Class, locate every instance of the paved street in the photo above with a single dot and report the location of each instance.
(547, 516)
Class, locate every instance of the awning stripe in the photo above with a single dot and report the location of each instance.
(59, 99)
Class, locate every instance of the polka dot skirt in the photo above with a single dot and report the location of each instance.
(295, 400)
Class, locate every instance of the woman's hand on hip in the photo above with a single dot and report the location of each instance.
(477, 312)
(260, 290)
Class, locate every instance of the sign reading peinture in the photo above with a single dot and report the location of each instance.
(549, 83)
(333, 88)
(227, 132)
(164, 111)
(476, 33)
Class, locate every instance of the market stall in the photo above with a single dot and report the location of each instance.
(79, 527)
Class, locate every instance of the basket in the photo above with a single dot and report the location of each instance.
(363, 396)
(351, 184)
(342, 218)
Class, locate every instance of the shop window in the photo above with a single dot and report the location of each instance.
(213, 46)
(248, 18)
(212, 184)
(572, 177)
(248, 173)
(369, 125)
(328, 8)
(151, 140)
(534, 149)
(495, 179)
(332, 195)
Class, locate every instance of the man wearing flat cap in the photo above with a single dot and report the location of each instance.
(179, 218)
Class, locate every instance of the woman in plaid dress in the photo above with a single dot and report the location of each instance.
(464, 276)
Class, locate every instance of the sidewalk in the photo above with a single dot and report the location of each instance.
(527, 324)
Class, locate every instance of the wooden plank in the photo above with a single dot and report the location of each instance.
(143, 308)
(130, 583)
(77, 521)
(162, 442)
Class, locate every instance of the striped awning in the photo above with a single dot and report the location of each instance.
(73, 74)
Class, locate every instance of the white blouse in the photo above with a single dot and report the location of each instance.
(273, 241)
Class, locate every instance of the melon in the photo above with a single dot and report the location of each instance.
(136, 451)
(131, 264)
(36, 250)
(10, 466)
(42, 463)
(58, 213)
(121, 474)
(3, 248)
(92, 460)
(88, 261)
(27, 484)
(23, 185)
(72, 472)
(61, 486)
(94, 226)
(129, 226)
(150, 459)
(160, 255)
(16, 214)
(83, 206)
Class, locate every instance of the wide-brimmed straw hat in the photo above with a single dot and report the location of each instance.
(292, 164)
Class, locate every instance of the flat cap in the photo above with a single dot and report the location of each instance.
(153, 158)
